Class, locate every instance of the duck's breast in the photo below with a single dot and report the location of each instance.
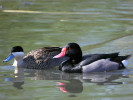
(100, 66)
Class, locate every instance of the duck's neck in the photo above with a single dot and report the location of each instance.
(18, 62)
(76, 58)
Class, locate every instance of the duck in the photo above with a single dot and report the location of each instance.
(78, 63)
(36, 59)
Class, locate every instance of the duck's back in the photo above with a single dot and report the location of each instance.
(42, 58)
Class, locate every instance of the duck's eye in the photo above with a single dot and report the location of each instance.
(69, 48)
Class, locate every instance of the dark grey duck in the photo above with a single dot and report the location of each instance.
(90, 63)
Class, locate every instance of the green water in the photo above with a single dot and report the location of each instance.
(99, 26)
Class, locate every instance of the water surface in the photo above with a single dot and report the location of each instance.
(98, 26)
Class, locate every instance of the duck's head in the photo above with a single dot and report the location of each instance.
(71, 50)
(16, 52)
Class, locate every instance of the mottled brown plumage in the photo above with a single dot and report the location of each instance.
(42, 58)
(36, 59)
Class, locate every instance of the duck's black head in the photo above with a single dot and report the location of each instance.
(17, 49)
(16, 52)
(73, 51)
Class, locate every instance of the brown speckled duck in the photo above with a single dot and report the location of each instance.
(36, 59)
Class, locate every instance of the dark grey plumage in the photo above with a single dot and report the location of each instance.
(90, 63)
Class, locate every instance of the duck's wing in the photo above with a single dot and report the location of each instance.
(44, 53)
(94, 57)
(121, 58)
(42, 58)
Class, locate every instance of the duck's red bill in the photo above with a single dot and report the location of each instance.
(63, 51)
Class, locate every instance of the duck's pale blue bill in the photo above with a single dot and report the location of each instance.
(10, 57)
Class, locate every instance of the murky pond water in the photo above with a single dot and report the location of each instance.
(99, 26)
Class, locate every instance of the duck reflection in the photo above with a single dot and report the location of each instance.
(18, 79)
(103, 78)
(66, 82)
(73, 83)
(72, 86)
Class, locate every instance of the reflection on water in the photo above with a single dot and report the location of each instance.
(72, 86)
(66, 82)
(18, 79)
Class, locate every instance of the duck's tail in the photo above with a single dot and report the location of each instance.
(122, 60)
(125, 60)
